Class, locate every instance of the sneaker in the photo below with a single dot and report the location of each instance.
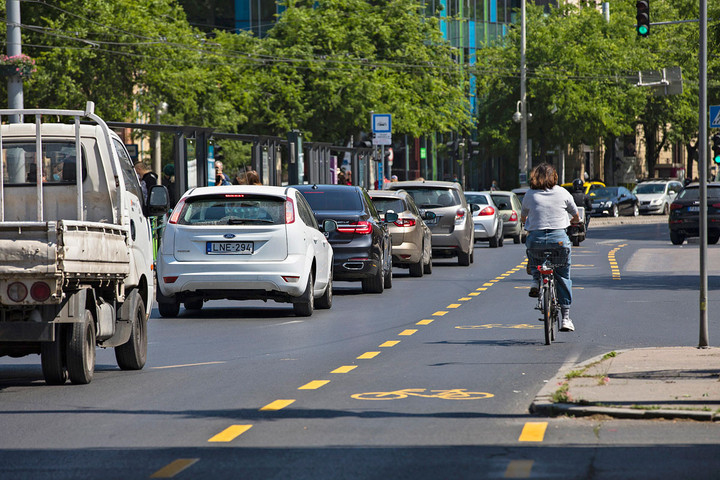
(566, 325)
(534, 292)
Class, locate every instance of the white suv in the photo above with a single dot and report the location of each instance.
(655, 196)
(244, 242)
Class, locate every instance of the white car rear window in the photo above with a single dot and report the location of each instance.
(233, 209)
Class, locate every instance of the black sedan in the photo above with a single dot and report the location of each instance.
(614, 201)
(361, 244)
(684, 219)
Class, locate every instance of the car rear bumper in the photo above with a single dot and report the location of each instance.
(484, 229)
(458, 240)
(407, 252)
(355, 263)
(691, 227)
(263, 278)
(511, 229)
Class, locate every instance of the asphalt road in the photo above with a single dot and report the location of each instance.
(432, 379)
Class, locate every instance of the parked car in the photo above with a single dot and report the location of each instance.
(520, 192)
(510, 208)
(487, 221)
(684, 218)
(655, 196)
(411, 238)
(590, 187)
(244, 242)
(614, 201)
(452, 228)
(361, 242)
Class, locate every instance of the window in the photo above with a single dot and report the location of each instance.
(383, 205)
(132, 183)
(305, 212)
(333, 200)
(229, 209)
(20, 165)
(429, 197)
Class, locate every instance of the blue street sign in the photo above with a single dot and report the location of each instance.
(714, 116)
(381, 123)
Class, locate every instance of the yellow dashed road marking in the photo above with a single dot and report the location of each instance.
(314, 385)
(344, 369)
(474, 294)
(519, 469)
(174, 467)
(453, 305)
(389, 343)
(481, 289)
(424, 322)
(276, 405)
(439, 314)
(487, 284)
(533, 432)
(230, 433)
(407, 332)
(464, 299)
(368, 355)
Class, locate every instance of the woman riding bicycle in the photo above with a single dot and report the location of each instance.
(546, 212)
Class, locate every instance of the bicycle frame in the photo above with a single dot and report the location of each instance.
(546, 259)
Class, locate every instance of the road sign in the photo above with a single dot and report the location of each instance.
(381, 123)
(383, 138)
(714, 116)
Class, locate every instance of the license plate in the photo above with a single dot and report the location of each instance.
(693, 209)
(431, 221)
(229, 248)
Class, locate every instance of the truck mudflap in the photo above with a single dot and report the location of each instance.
(27, 332)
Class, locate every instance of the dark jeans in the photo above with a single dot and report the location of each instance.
(541, 238)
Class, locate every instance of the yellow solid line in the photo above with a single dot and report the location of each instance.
(314, 385)
(230, 433)
(474, 294)
(407, 332)
(519, 469)
(174, 467)
(453, 305)
(464, 299)
(533, 432)
(424, 322)
(367, 355)
(344, 369)
(389, 343)
(276, 405)
(439, 314)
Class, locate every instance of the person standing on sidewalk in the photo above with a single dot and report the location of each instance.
(545, 210)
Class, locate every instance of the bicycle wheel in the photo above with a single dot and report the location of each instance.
(555, 307)
(547, 314)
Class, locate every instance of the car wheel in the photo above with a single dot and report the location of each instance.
(427, 269)
(81, 350)
(665, 209)
(374, 284)
(387, 280)
(472, 255)
(195, 304)
(493, 241)
(677, 238)
(516, 239)
(713, 239)
(463, 259)
(636, 210)
(614, 212)
(325, 301)
(306, 304)
(501, 240)
(169, 309)
(133, 353)
(417, 269)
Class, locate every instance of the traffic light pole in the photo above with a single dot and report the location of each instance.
(702, 167)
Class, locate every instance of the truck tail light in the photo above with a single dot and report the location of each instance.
(289, 210)
(362, 228)
(17, 291)
(40, 291)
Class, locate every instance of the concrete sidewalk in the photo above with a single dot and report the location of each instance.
(667, 382)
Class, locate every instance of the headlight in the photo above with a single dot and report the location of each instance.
(656, 201)
(607, 204)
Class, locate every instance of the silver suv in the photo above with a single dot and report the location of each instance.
(452, 228)
(655, 196)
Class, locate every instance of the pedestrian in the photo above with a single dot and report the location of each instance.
(168, 179)
(220, 177)
(252, 178)
(341, 178)
(147, 179)
(394, 178)
(494, 186)
(545, 210)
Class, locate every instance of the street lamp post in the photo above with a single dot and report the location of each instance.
(161, 109)
(523, 162)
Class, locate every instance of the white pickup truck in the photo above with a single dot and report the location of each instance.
(76, 261)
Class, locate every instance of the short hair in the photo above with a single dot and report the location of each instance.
(543, 177)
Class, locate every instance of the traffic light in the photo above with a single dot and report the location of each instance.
(716, 148)
(643, 17)
(219, 153)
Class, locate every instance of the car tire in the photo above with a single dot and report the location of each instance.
(81, 350)
(306, 304)
(132, 354)
(636, 210)
(417, 269)
(677, 238)
(713, 239)
(463, 259)
(493, 241)
(614, 212)
(169, 309)
(195, 304)
(374, 284)
(427, 268)
(387, 279)
(501, 241)
(517, 239)
(665, 209)
(325, 301)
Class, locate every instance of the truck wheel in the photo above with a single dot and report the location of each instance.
(81, 350)
(169, 309)
(132, 354)
(52, 358)
(305, 307)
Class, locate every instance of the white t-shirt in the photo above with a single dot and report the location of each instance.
(548, 209)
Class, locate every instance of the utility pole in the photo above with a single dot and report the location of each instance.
(703, 171)
(523, 163)
(14, 47)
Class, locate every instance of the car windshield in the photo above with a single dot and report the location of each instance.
(606, 192)
(693, 193)
(333, 200)
(383, 205)
(434, 197)
(233, 209)
(479, 199)
(650, 188)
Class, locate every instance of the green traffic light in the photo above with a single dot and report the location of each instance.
(642, 29)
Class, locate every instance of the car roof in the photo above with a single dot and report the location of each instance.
(425, 183)
(231, 189)
(325, 186)
(388, 193)
(501, 192)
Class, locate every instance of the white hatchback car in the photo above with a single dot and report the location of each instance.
(244, 242)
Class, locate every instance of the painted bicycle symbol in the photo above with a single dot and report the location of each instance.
(452, 394)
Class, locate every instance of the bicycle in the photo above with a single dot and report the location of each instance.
(546, 259)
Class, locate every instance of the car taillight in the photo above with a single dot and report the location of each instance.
(405, 222)
(362, 227)
(513, 216)
(176, 211)
(487, 211)
(17, 291)
(460, 214)
(289, 210)
(675, 206)
(715, 205)
(40, 291)
(170, 279)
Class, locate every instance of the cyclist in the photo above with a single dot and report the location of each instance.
(581, 199)
(545, 210)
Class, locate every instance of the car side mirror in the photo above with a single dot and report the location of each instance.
(391, 217)
(158, 200)
(429, 216)
(329, 225)
(474, 207)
